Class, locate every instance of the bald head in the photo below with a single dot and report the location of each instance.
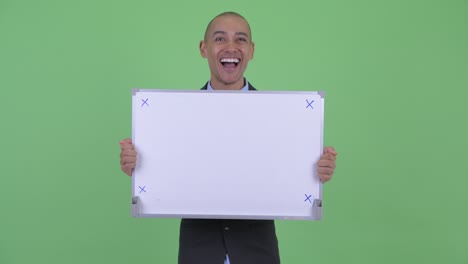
(223, 15)
(228, 48)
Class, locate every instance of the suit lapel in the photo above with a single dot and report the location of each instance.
(251, 88)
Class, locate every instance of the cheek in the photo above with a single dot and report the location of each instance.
(213, 61)
(213, 56)
(248, 53)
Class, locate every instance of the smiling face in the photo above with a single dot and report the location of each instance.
(228, 48)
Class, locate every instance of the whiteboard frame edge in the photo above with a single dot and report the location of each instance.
(322, 95)
(141, 90)
(134, 93)
(316, 213)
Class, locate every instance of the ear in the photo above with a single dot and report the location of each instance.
(253, 51)
(202, 48)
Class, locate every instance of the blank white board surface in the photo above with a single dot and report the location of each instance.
(227, 154)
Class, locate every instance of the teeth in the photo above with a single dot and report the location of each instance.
(235, 60)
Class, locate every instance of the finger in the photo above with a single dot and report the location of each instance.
(328, 156)
(330, 150)
(127, 159)
(127, 171)
(128, 152)
(127, 140)
(127, 147)
(128, 166)
(325, 177)
(325, 170)
(126, 144)
(326, 163)
(128, 156)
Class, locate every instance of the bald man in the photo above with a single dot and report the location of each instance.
(228, 47)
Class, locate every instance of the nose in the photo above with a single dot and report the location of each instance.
(231, 46)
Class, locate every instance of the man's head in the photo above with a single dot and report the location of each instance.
(228, 47)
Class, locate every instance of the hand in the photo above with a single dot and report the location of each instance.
(128, 156)
(327, 164)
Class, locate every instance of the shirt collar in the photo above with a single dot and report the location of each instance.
(245, 88)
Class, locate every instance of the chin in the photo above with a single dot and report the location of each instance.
(230, 81)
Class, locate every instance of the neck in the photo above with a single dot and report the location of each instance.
(217, 85)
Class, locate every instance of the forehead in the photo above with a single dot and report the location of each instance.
(229, 24)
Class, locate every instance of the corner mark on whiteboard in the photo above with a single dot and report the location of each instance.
(309, 104)
(142, 189)
(308, 198)
(145, 102)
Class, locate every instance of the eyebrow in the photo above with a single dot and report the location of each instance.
(237, 33)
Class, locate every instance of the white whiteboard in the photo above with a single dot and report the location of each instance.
(227, 154)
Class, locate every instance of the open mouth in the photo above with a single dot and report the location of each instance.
(230, 63)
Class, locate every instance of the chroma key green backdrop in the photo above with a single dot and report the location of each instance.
(396, 77)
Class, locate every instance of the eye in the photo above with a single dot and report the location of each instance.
(219, 39)
(243, 40)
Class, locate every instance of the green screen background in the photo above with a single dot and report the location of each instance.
(395, 73)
